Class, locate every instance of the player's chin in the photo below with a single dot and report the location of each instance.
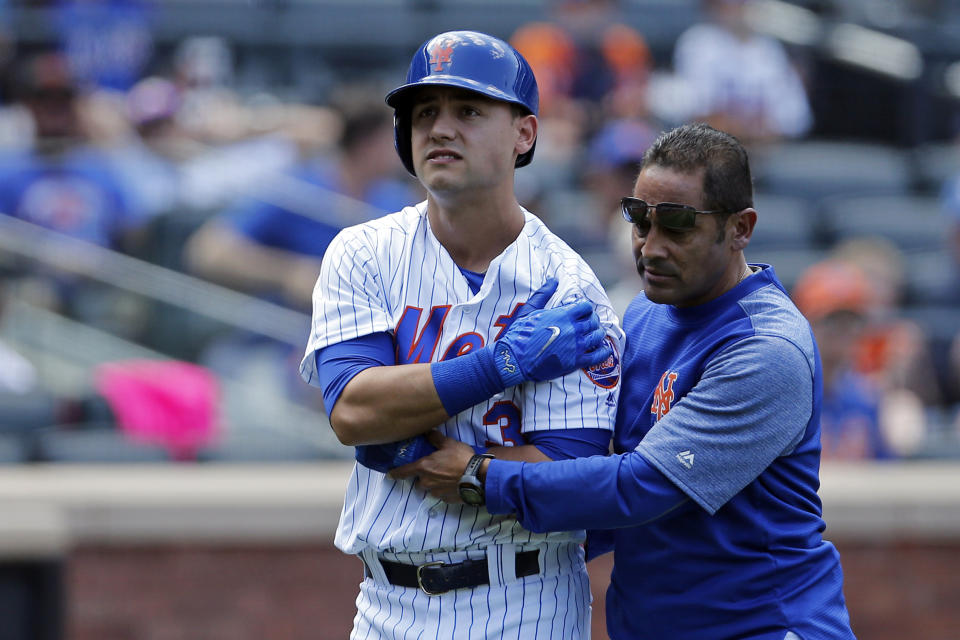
(439, 181)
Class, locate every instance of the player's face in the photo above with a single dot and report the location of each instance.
(462, 141)
(683, 267)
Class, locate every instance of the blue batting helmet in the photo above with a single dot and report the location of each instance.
(469, 60)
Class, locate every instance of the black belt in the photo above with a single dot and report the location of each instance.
(435, 578)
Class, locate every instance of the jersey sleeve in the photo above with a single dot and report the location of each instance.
(348, 300)
(584, 399)
(600, 491)
(752, 405)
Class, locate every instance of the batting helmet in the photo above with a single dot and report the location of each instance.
(469, 60)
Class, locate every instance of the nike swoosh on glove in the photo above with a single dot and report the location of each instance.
(549, 343)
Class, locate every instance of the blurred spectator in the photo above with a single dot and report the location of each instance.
(591, 66)
(108, 43)
(610, 167)
(149, 159)
(893, 350)
(63, 183)
(273, 245)
(167, 169)
(738, 80)
(211, 111)
(864, 414)
(835, 299)
(586, 53)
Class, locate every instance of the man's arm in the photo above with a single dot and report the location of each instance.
(600, 492)
(386, 404)
(382, 404)
(439, 473)
(752, 405)
(218, 252)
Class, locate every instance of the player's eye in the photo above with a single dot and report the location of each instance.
(469, 110)
(424, 112)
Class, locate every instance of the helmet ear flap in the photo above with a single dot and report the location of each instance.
(401, 137)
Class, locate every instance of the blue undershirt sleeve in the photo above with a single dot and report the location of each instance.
(564, 444)
(338, 363)
(601, 492)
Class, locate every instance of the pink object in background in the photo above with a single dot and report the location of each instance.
(170, 403)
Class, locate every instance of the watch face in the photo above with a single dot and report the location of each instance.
(471, 496)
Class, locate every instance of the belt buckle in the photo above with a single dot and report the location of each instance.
(420, 568)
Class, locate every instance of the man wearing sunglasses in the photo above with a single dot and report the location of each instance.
(710, 501)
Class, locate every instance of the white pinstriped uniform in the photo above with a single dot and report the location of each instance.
(371, 275)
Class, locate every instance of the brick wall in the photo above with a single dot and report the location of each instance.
(208, 593)
(894, 590)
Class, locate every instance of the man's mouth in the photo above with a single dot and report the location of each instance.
(653, 274)
(443, 155)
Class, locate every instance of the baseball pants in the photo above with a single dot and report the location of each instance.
(553, 604)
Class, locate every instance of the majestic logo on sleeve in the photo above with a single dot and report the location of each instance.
(663, 397)
(607, 373)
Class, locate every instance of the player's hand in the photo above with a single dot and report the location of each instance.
(549, 343)
(439, 473)
(539, 298)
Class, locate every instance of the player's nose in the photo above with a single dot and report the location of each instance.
(442, 126)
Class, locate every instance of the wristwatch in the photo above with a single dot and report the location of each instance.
(470, 488)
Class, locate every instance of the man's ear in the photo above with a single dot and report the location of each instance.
(526, 133)
(742, 224)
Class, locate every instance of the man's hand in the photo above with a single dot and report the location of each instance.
(549, 343)
(439, 473)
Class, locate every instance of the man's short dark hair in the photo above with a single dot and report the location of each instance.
(727, 185)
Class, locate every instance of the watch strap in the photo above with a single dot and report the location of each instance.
(473, 467)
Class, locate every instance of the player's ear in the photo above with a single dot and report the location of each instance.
(526, 127)
(741, 226)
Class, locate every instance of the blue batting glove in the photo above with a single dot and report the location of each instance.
(384, 457)
(539, 298)
(548, 343)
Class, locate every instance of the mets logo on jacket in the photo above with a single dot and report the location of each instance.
(663, 395)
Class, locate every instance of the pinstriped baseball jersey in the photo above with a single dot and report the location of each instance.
(391, 274)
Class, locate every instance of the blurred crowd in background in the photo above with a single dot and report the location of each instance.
(164, 206)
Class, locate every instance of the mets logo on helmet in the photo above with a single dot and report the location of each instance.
(663, 397)
(440, 54)
(607, 373)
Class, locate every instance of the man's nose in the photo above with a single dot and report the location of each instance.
(442, 128)
(652, 245)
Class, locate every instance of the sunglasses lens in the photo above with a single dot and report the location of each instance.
(635, 211)
(675, 216)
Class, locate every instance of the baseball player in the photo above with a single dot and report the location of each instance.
(462, 313)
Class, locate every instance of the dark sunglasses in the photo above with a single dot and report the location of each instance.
(676, 217)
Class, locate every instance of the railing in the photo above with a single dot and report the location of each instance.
(73, 256)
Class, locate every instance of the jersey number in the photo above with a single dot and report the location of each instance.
(506, 415)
